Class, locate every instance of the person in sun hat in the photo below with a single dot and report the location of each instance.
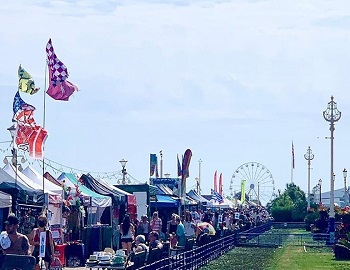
(19, 243)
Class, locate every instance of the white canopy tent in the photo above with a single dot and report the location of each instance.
(5, 200)
(225, 204)
(55, 199)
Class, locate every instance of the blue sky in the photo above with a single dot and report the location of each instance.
(234, 81)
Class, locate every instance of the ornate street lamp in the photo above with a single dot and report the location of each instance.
(320, 187)
(124, 173)
(346, 195)
(308, 156)
(331, 115)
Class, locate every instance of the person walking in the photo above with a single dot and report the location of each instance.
(127, 231)
(156, 223)
(34, 239)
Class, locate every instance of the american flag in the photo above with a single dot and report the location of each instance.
(22, 112)
(216, 196)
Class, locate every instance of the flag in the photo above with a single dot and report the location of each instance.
(153, 164)
(215, 183)
(32, 139)
(220, 184)
(186, 164)
(179, 170)
(26, 83)
(293, 162)
(59, 87)
(216, 196)
(22, 112)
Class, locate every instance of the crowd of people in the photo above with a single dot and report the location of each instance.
(146, 234)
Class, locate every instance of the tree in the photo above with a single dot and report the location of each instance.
(290, 205)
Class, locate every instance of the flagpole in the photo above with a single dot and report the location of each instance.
(292, 164)
(44, 119)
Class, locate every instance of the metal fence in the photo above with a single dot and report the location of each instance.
(201, 255)
(281, 239)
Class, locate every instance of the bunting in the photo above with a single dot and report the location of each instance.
(59, 87)
(26, 83)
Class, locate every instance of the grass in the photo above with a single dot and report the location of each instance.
(288, 257)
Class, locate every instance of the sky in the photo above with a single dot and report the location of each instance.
(234, 81)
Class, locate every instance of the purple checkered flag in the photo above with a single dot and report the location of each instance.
(60, 88)
(58, 69)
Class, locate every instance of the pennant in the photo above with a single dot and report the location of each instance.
(220, 184)
(215, 183)
(59, 87)
(179, 170)
(22, 112)
(216, 196)
(26, 83)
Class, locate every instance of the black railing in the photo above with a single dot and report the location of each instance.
(202, 255)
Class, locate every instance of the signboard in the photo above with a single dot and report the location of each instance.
(172, 183)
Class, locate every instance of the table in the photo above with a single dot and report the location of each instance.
(109, 267)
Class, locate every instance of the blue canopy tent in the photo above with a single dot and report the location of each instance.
(164, 201)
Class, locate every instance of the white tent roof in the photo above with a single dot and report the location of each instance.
(23, 179)
(38, 179)
(226, 204)
(5, 200)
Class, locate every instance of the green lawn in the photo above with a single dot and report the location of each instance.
(288, 257)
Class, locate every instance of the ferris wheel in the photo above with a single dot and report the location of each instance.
(257, 180)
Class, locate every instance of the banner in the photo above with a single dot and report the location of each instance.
(42, 244)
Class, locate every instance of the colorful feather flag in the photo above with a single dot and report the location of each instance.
(26, 83)
(220, 184)
(153, 164)
(59, 87)
(186, 164)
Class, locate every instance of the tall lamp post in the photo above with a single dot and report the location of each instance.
(331, 115)
(123, 163)
(199, 176)
(320, 187)
(14, 161)
(346, 195)
(308, 156)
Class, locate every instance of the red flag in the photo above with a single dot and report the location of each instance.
(215, 182)
(220, 184)
(32, 138)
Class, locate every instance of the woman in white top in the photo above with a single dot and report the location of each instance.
(189, 225)
(127, 231)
